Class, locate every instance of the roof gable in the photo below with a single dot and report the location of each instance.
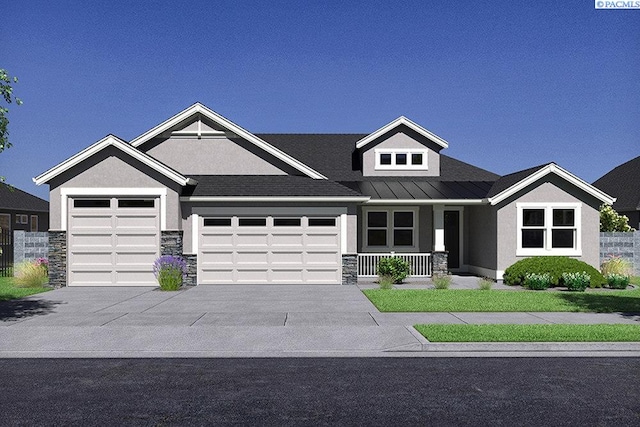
(111, 141)
(622, 181)
(510, 184)
(200, 109)
(402, 121)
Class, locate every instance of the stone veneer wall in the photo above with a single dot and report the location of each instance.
(57, 258)
(171, 244)
(624, 245)
(439, 263)
(349, 269)
(29, 246)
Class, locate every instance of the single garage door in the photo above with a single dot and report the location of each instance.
(269, 249)
(113, 241)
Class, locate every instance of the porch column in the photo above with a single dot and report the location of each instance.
(438, 228)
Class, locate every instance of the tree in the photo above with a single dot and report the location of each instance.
(610, 220)
(6, 90)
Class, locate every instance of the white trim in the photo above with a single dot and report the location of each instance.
(408, 152)
(389, 229)
(195, 233)
(66, 193)
(548, 227)
(555, 169)
(426, 202)
(273, 199)
(402, 121)
(272, 210)
(111, 140)
(343, 233)
(199, 108)
(486, 272)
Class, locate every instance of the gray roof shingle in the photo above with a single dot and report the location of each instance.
(623, 183)
(16, 199)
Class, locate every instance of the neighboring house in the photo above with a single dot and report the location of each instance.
(282, 208)
(623, 182)
(20, 210)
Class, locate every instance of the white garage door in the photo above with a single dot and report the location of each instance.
(113, 241)
(269, 249)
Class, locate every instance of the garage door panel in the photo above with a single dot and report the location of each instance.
(138, 222)
(102, 221)
(124, 259)
(278, 257)
(92, 277)
(252, 239)
(139, 278)
(92, 258)
(90, 240)
(137, 240)
(217, 240)
(272, 253)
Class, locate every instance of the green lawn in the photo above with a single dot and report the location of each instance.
(530, 333)
(464, 300)
(9, 291)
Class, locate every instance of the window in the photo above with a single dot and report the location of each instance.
(34, 222)
(252, 222)
(286, 222)
(136, 203)
(401, 159)
(217, 222)
(322, 222)
(91, 203)
(390, 229)
(22, 219)
(548, 229)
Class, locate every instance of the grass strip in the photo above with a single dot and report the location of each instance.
(530, 333)
(470, 300)
(9, 291)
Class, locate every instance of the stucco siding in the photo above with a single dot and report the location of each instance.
(401, 140)
(113, 169)
(551, 190)
(215, 156)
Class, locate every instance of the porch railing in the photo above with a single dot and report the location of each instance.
(420, 263)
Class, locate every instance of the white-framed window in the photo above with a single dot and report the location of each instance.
(390, 229)
(22, 219)
(34, 222)
(401, 159)
(549, 229)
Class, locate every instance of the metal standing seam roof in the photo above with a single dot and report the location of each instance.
(422, 190)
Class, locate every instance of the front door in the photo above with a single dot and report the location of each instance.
(452, 237)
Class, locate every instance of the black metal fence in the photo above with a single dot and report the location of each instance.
(6, 257)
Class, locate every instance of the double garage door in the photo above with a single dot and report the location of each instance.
(113, 241)
(269, 249)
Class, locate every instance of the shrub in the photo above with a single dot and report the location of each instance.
(395, 267)
(441, 281)
(170, 272)
(616, 265)
(617, 281)
(386, 282)
(537, 282)
(30, 274)
(577, 282)
(610, 220)
(485, 284)
(554, 265)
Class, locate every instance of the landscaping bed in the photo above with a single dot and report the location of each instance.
(530, 333)
(465, 300)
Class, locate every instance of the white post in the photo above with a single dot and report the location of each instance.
(438, 228)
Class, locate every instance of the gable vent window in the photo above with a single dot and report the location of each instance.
(401, 159)
(548, 229)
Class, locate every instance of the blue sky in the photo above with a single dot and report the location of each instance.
(509, 85)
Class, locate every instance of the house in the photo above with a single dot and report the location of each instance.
(20, 210)
(309, 209)
(624, 183)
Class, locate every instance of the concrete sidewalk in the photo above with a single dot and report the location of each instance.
(251, 321)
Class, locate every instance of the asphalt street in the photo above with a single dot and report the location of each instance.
(321, 391)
